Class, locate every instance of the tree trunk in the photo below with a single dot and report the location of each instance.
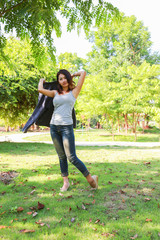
(134, 127)
(135, 135)
(112, 131)
(7, 128)
(118, 123)
(143, 125)
(112, 136)
(88, 121)
(136, 118)
(126, 124)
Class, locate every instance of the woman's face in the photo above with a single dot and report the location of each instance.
(63, 80)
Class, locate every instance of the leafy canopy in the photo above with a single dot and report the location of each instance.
(37, 19)
(18, 82)
(124, 78)
(71, 62)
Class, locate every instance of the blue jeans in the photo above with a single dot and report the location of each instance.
(64, 142)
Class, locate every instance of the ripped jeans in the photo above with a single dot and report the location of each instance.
(64, 142)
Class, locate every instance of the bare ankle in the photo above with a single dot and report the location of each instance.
(93, 184)
(91, 181)
(65, 186)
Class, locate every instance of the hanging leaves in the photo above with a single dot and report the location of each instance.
(37, 20)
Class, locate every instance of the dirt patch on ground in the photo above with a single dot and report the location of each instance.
(7, 177)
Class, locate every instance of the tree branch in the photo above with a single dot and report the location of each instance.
(9, 9)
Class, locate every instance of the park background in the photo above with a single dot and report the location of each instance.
(120, 101)
(121, 52)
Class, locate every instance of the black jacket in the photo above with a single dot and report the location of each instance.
(44, 109)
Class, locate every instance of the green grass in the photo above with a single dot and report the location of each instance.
(102, 135)
(128, 194)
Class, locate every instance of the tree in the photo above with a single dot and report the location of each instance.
(122, 83)
(120, 43)
(71, 62)
(37, 19)
(140, 90)
(18, 84)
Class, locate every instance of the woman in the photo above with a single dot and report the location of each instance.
(61, 125)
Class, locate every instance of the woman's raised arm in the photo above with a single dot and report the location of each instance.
(77, 89)
(49, 93)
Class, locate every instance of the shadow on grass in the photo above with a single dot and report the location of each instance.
(48, 149)
(26, 148)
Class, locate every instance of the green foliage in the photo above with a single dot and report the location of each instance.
(120, 43)
(38, 19)
(152, 130)
(108, 124)
(71, 62)
(2, 45)
(123, 78)
(18, 84)
(141, 88)
(17, 99)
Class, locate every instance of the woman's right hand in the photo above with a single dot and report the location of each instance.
(42, 80)
(46, 92)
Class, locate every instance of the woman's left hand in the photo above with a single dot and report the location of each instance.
(73, 75)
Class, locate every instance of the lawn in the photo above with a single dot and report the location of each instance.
(126, 205)
(102, 135)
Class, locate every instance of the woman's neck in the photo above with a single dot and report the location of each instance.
(65, 90)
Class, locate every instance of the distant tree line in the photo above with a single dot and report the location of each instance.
(123, 84)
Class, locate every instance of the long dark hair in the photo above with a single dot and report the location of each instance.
(69, 80)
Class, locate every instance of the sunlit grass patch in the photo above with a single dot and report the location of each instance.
(95, 135)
